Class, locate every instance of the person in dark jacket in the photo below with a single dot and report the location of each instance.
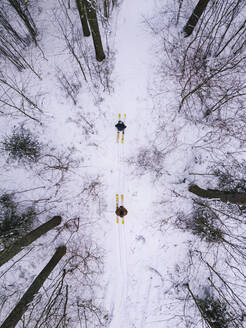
(120, 126)
(121, 211)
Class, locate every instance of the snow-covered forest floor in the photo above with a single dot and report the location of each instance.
(179, 258)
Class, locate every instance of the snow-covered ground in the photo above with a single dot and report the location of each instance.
(137, 254)
(143, 280)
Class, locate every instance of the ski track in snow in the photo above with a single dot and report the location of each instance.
(132, 291)
(130, 97)
(133, 294)
(146, 303)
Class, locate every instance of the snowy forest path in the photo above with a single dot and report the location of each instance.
(131, 78)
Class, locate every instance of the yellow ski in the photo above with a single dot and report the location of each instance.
(121, 127)
(122, 204)
(123, 132)
(117, 205)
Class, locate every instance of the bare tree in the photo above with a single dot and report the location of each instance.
(27, 239)
(207, 293)
(26, 17)
(70, 84)
(13, 42)
(96, 74)
(15, 100)
(69, 299)
(225, 196)
(214, 311)
(93, 22)
(209, 70)
(15, 220)
(193, 20)
(8, 28)
(83, 18)
(21, 307)
(54, 165)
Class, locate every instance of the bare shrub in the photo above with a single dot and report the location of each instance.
(230, 175)
(16, 100)
(84, 121)
(70, 84)
(203, 223)
(55, 164)
(149, 160)
(213, 310)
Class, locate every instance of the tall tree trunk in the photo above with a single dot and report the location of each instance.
(197, 13)
(26, 240)
(21, 307)
(83, 18)
(93, 22)
(238, 198)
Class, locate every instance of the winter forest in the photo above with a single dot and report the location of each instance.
(175, 72)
